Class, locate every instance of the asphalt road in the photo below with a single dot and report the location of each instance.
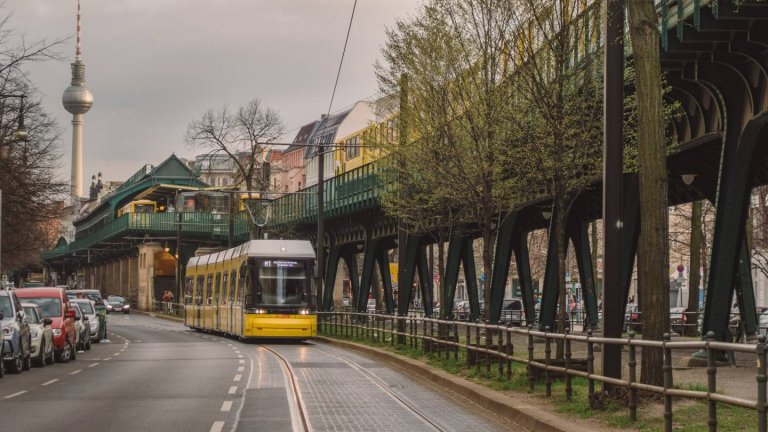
(156, 375)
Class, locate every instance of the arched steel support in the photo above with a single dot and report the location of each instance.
(425, 281)
(406, 271)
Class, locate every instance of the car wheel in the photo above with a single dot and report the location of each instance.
(40, 360)
(66, 354)
(14, 365)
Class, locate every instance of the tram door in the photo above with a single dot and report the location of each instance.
(231, 326)
(198, 300)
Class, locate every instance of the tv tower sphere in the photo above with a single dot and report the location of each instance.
(77, 99)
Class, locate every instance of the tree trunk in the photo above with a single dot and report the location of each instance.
(653, 244)
(694, 279)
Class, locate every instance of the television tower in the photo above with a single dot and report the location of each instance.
(77, 99)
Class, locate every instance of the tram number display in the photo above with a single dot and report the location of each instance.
(281, 264)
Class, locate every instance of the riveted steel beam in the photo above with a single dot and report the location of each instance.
(425, 281)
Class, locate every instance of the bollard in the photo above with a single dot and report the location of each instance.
(547, 358)
(568, 387)
(632, 378)
(667, 384)
(590, 364)
(762, 424)
(531, 376)
(711, 383)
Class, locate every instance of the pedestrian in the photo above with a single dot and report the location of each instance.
(166, 299)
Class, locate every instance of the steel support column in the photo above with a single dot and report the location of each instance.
(452, 263)
(523, 261)
(501, 262)
(350, 259)
(470, 278)
(551, 289)
(745, 290)
(386, 279)
(330, 277)
(579, 235)
(369, 263)
(425, 280)
(405, 272)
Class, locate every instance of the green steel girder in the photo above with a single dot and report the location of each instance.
(425, 281)
(501, 262)
(579, 234)
(406, 271)
(551, 288)
(455, 252)
(470, 277)
(745, 292)
(350, 259)
(733, 192)
(370, 253)
(332, 266)
(386, 279)
(523, 262)
(730, 222)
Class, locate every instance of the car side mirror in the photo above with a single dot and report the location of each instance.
(46, 321)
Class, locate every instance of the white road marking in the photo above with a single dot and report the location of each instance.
(50, 382)
(239, 356)
(241, 361)
(237, 377)
(15, 394)
(76, 372)
(107, 359)
(226, 406)
(116, 354)
(92, 365)
(241, 368)
(232, 390)
(217, 426)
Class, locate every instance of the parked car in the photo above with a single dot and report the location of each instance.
(461, 310)
(33, 284)
(42, 336)
(17, 340)
(632, 319)
(88, 308)
(512, 312)
(98, 303)
(54, 304)
(82, 329)
(118, 304)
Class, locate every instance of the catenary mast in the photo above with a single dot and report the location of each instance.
(77, 99)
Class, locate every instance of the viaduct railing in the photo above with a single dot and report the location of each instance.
(492, 345)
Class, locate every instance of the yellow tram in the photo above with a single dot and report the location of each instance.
(260, 289)
(138, 206)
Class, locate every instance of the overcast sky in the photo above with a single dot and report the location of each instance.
(155, 65)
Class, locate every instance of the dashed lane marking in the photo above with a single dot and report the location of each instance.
(232, 390)
(108, 359)
(76, 372)
(239, 356)
(241, 368)
(92, 365)
(241, 361)
(14, 394)
(237, 377)
(116, 354)
(218, 426)
(226, 406)
(49, 382)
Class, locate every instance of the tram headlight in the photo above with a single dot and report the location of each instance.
(259, 311)
(303, 311)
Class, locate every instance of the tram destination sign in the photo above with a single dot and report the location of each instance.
(282, 264)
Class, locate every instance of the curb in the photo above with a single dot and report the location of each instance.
(162, 317)
(522, 413)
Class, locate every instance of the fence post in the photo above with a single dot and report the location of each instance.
(392, 330)
(632, 377)
(531, 376)
(711, 383)
(762, 425)
(590, 364)
(547, 358)
(456, 347)
(509, 353)
(488, 343)
(500, 350)
(568, 387)
(667, 384)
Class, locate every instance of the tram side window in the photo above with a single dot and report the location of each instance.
(188, 289)
(217, 290)
(244, 283)
(209, 299)
(199, 290)
(232, 287)
(224, 288)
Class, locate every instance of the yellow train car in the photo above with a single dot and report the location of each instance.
(260, 289)
(138, 206)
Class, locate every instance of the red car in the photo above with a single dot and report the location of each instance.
(54, 304)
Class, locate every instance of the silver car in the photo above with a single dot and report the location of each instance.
(88, 309)
(42, 336)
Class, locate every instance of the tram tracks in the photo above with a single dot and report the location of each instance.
(294, 389)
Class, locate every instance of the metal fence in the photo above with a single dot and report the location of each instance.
(175, 310)
(492, 344)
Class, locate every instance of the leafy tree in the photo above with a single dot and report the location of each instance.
(450, 172)
(653, 247)
(241, 135)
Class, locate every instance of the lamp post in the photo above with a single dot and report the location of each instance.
(320, 247)
(20, 134)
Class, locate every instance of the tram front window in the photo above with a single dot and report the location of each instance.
(144, 208)
(282, 282)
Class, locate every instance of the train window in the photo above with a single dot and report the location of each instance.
(224, 288)
(232, 287)
(282, 281)
(217, 290)
(188, 290)
(199, 290)
(209, 299)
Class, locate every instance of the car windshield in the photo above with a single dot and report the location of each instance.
(31, 315)
(49, 306)
(5, 306)
(86, 308)
(281, 282)
(115, 299)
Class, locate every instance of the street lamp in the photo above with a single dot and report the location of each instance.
(20, 134)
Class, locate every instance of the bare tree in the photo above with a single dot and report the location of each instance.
(242, 136)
